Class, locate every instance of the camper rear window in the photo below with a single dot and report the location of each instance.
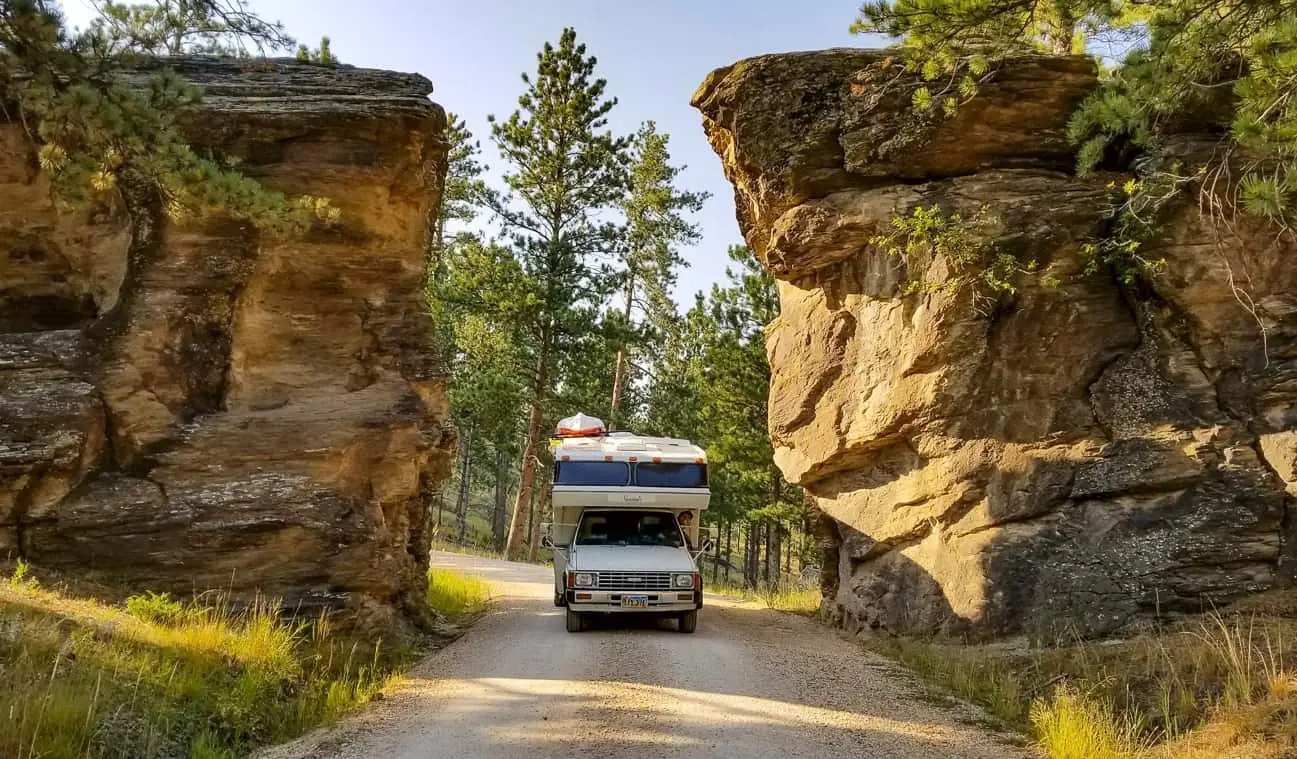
(591, 473)
(671, 475)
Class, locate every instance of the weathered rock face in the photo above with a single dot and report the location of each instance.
(190, 406)
(1069, 460)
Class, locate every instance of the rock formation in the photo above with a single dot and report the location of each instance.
(1074, 459)
(187, 406)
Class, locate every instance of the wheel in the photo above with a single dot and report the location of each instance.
(560, 599)
(688, 621)
(575, 621)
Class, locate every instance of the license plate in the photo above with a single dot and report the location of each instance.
(634, 602)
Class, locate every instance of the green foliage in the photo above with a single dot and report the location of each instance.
(1135, 220)
(322, 55)
(172, 27)
(944, 31)
(1184, 56)
(457, 595)
(155, 607)
(100, 135)
(712, 385)
(465, 192)
(656, 227)
(22, 577)
(953, 45)
(564, 171)
(967, 247)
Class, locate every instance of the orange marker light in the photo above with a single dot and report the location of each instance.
(700, 461)
(567, 458)
(657, 459)
(607, 458)
(633, 458)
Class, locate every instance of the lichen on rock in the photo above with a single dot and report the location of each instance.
(199, 406)
(1076, 459)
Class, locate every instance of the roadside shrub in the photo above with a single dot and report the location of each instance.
(155, 607)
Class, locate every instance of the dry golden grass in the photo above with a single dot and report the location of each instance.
(159, 678)
(805, 601)
(1223, 686)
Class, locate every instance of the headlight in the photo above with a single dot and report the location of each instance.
(683, 581)
(586, 579)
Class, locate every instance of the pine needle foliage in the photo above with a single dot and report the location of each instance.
(100, 133)
(565, 172)
(1180, 57)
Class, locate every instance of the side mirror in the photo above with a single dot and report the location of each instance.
(708, 546)
(547, 542)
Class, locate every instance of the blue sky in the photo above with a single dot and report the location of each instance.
(653, 54)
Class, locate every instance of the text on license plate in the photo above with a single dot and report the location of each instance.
(635, 602)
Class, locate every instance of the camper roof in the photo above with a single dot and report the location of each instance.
(625, 446)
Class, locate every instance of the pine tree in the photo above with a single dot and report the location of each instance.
(711, 385)
(99, 135)
(564, 171)
(173, 27)
(465, 192)
(655, 229)
(482, 303)
(466, 280)
(1182, 55)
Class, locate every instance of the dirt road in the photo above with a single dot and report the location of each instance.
(750, 683)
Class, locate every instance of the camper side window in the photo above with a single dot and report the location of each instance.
(591, 473)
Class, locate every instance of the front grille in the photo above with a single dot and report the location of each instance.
(634, 581)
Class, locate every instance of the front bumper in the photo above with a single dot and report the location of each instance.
(659, 601)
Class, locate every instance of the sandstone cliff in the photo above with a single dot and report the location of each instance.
(188, 406)
(1073, 460)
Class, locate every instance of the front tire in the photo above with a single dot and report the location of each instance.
(575, 621)
(688, 621)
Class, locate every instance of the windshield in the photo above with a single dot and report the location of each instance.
(591, 473)
(629, 528)
(671, 475)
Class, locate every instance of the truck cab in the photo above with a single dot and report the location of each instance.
(621, 541)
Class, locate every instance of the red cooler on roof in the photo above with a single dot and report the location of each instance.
(581, 426)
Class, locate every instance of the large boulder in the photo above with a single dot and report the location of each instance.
(1070, 459)
(188, 406)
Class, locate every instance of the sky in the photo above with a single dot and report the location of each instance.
(654, 55)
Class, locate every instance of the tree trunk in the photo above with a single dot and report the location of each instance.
(751, 550)
(530, 453)
(763, 536)
(774, 549)
(716, 566)
(788, 552)
(441, 507)
(619, 368)
(465, 475)
(500, 514)
(729, 547)
(537, 518)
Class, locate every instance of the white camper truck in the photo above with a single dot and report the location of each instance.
(620, 538)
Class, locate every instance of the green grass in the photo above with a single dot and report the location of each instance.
(1221, 686)
(805, 601)
(157, 677)
(456, 595)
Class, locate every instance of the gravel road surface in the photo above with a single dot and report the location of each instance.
(750, 683)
